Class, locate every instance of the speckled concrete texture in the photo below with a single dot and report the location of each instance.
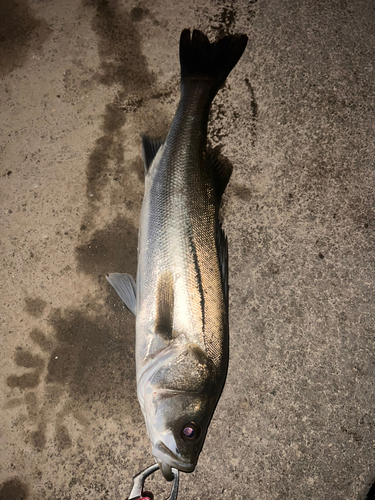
(80, 81)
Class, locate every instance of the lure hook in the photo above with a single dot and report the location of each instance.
(137, 492)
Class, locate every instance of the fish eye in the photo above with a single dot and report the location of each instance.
(190, 432)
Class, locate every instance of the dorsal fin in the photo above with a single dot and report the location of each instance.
(221, 169)
(150, 147)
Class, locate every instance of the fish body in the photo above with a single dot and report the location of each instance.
(181, 295)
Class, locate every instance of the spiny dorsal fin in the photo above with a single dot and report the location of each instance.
(222, 247)
(150, 147)
(221, 169)
(165, 305)
(124, 285)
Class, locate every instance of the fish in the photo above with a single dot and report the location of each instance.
(180, 297)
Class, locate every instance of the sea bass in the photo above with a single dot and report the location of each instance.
(180, 298)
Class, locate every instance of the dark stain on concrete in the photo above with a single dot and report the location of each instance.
(216, 122)
(20, 33)
(28, 360)
(122, 63)
(227, 20)
(28, 380)
(126, 194)
(94, 356)
(138, 167)
(243, 192)
(31, 405)
(13, 489)
(35, 437)
(114, 119)
(13, 403)
(38, 438)
(41, 340)
(35, 306)
(253, 103)
(113, 249)
(91, 357)
(224, 22)
(138, 13)
(62, 438)
(107, 151)
(254, 112)
(120, 52)
(25, 381)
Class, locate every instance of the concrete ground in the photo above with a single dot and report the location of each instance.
(81, 80)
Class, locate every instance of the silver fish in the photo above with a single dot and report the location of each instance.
(181, 296)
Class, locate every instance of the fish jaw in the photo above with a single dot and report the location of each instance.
(165, 457)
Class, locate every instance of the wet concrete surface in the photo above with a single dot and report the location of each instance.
(81, 80)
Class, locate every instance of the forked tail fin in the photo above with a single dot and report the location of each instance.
(201, 59)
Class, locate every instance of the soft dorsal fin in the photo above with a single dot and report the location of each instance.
(221, 169)
(150, 147)
(222, 247)
(124, 285)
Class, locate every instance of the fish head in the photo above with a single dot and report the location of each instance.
(178, 430)
(179, 399)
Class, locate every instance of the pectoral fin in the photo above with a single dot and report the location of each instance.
(124, 285)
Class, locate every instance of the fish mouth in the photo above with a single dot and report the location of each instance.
(164, 456)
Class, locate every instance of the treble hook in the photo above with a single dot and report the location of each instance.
(139, 481)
